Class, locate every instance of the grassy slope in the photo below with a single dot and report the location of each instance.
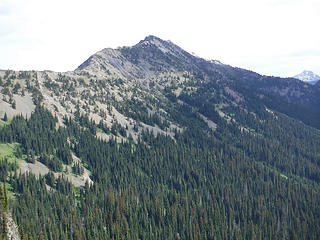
(8, 150)
(3, 123)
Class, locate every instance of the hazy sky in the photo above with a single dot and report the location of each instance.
(272, 37)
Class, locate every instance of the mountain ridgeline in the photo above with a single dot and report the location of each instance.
(151, 142)
(153, 57)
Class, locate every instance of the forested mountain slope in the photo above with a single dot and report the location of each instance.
(177, 147)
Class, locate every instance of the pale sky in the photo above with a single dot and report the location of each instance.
(271, 37)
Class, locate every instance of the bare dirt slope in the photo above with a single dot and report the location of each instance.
(38, 168)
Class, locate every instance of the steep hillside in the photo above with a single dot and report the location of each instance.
(151, 142)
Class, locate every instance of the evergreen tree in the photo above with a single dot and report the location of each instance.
(5, 117)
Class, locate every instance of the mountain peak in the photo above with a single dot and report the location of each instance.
(164, 46)
(151, 38)
(308, 77)
(151, 54)
(155, 41)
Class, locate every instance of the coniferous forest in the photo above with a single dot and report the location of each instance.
(226, 184)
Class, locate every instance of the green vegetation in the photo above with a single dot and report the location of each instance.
(198, 186)
(4, 205)
(3, 123)
(11, 152)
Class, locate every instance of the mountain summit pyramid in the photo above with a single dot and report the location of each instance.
(308, 77)
(151, 55)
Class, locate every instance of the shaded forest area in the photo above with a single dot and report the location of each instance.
(227, 184)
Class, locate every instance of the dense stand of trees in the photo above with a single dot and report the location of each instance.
(4, 202)
(231, 184)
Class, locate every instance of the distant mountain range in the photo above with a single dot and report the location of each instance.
(308, 77)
